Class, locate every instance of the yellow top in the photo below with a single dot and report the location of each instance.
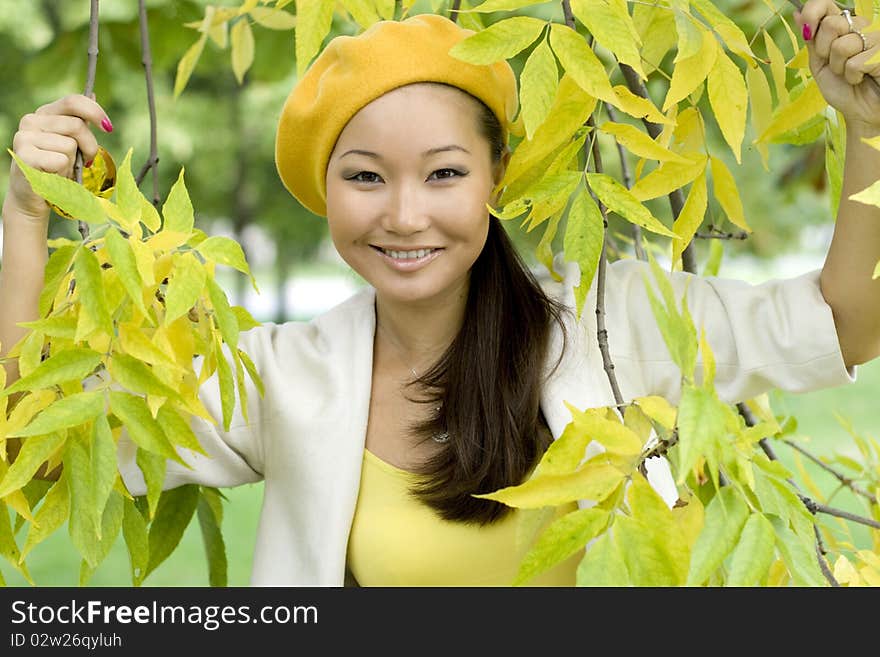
(396, 540)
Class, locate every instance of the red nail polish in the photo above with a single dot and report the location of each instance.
(105, 123)
(807, 32)
(88, 164)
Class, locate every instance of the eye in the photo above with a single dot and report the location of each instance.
(454, 173)
(357, 177)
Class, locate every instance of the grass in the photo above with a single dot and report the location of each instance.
(54, 562)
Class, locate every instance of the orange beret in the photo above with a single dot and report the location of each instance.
(352, 71)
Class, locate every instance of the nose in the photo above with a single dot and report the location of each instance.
(406, 213)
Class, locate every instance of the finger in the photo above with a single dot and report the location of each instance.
(812, 17)
(50, 161)
(842, 50)
(82, 106)
(857, 67)
(832, 28)
(70, 126)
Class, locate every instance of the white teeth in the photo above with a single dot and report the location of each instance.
(407, 255)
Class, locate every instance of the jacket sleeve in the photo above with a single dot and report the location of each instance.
(233, 456)
(779, 334)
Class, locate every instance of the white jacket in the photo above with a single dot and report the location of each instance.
(305, 438)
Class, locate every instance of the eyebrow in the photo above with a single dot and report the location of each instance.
(430, 151)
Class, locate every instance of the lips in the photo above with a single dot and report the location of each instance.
(407, 260)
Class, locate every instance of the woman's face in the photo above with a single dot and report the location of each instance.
(407, 187)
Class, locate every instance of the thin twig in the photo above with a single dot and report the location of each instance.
(89, 88)
(846, 481)
(147, 60)
(601, 331)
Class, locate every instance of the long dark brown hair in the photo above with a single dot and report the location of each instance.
(486, 388)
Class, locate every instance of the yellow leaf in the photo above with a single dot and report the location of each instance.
(690, 217)
(618, 198)
(761, 105)
(869, 195)
(184, 287)
(729, 99)
(690, 32)
(658, 409)
(656, 27)
(636, 106)
(571, 108)
(727, 194)
(500, 41)
(690, 72)
(728, 30)
(800, 110)
(614, 436)
(362, 11)
(580, 62)
(612, 26)
(274, 19)
(668, 177)
(640, 143)
(187, 64)
(777, 69)
(242, 48)
(592, 481)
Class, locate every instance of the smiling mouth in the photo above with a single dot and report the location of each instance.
(413, 254)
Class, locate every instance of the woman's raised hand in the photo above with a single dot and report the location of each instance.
(839, 54)
(47, 139)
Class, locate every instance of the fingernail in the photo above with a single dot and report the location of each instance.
(88, 164)
(105, 123)
(807, 32)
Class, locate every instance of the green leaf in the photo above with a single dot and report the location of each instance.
(753, 554)
(34, 452)
(612, 26)
(226, 251)
(725, 517)
(103, 462)
(215, 548)
(51, 515)
(111, 525)
(603, 564)
(560, 540)
(122, 257)
(702, 423)
(798, 554)
(313, 23)
(178, 429)
(185, 286)
(177, 210)
(538, 82)
(64, 413)
(246, 321)
(134, 531)
(223, 315)
(647, 560)
(67, 194)
(153, 467)
(135, 415)
(8, 547)
(60, 326)
(499, 41)
(56, 270)
(176, 508)
(94, 314)
(137, 376)
(584, 234)
(225, 383)
(252, 371)
(84, 519)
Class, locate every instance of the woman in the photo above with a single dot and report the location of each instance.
(452, 363)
